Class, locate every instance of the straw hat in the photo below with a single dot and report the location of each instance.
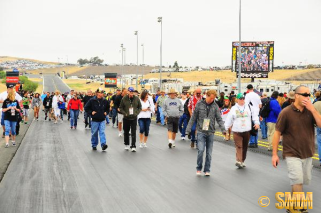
(172, 91)
(291, 95)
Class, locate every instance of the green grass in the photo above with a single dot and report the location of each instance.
(76, 85)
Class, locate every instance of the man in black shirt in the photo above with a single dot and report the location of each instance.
(120, 116)
(113, 109)
(47, 104)
(87, 116)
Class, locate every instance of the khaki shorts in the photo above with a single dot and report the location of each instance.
(299, 170)
(120, 118)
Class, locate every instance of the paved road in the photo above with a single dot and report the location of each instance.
(55, 170)
(53, 83)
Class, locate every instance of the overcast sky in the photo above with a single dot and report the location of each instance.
(194, 32)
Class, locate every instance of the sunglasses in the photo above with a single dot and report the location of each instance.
(304, 94)
(198, 93)
(241, 98)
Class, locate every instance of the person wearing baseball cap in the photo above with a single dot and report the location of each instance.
(291, 99)
(240, 119)
(130, 107)
(254, 101)
(98, 108)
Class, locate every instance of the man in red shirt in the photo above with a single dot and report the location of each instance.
(191, 107)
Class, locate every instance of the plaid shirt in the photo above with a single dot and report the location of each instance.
(193, 101)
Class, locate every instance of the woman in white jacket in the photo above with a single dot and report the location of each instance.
(57, 98)
(240, 118)
(144, 117)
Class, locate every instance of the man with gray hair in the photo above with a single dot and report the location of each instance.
(296, 124)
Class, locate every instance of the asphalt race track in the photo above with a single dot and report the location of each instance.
(55, 171)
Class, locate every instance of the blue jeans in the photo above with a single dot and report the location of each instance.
(87, 117)
(107, 119)
(158, 116)
(62, 114)
(253, 139)
(193, 130)
(205, 140)
(98, 128)
(263, 127)
(2, 119)
(10, 126)
(73, 117)
(144, 124)
(161, 115)
(182, 124)
(319, 141)
(114, 115)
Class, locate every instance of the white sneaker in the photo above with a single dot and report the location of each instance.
(120, 134)
(13, 143)
(34, 119)
(7, 145)
(183, 138)
(145, 145)
(141, 145)
(133, 149)
(126, 147)
(243, 164)
(173, 143)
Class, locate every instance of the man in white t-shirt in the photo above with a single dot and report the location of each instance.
(3, 97)
(255, 103)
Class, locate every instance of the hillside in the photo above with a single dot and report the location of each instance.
(9, 58)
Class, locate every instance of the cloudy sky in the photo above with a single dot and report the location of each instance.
(194, 32)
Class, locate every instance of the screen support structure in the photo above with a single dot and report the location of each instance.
(240, 44)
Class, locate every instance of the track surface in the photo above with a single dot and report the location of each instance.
(55, 170)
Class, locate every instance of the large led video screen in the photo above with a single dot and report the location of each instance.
(256, 58)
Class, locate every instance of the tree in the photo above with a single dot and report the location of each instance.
(96, 60)
(82, 61)
(176, 66)
(310, 66)
(1, 68)
(2, 74)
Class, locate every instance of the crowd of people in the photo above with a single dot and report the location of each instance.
(284, 118)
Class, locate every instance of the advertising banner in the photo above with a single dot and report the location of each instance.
(110, 80)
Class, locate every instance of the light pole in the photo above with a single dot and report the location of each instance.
(240, 45)
(136, 33)
(143, 54)
(122, 64)
(160, 19)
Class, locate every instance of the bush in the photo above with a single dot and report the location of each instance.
(2, 74)
(30, 86)
(23, 79)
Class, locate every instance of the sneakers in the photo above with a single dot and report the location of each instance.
(37, 119)
(133, 149)
(94, 148)
(7, 145)
(145, 145)
(120, 134)
(13, 143)
(198, 173)
(173, 144)
(86, 126)
(3, 135)
(141, 145)
(243, 165)
(238, 164)
(49, 119)
(183, 138)
(71, 127)
(46, 118)
(126, 147)
(170, 144)
(207, 174)
(104, 147)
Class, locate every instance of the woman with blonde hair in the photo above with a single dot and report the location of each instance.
(281, 99)
(11, 108)
(55, 100)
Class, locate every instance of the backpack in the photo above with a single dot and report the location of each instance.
(265, 110)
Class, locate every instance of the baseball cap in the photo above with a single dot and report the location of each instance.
(99, 90)
(10, 86)
(226, 98)
(131, 89)
(240, 95)
(250, 86)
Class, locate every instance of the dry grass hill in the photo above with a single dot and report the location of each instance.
(9, 58)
